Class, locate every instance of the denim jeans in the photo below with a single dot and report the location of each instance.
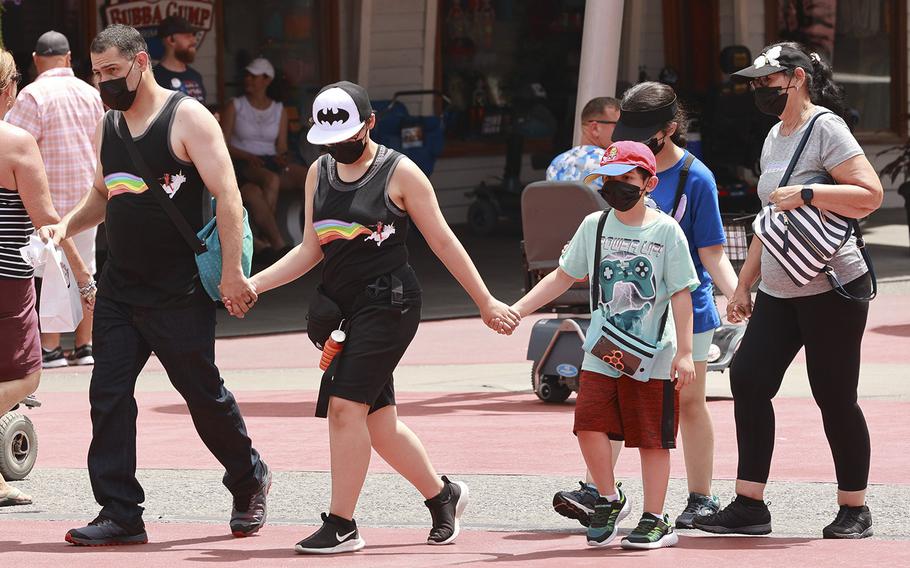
(183, 339)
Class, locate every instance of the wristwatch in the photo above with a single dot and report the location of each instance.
(807, 194)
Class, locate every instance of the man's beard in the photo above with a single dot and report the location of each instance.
(186, 55)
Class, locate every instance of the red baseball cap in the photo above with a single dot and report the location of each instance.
(622, 157)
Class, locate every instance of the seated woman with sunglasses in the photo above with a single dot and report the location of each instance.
(797, 86)
(256, 130)
(597, 121)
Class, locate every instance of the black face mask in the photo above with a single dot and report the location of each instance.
(620, 195)
(347, 152)
(115, 93)
(656, 146)
(771, 100)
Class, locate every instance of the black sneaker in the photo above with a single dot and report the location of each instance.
(698, 506)
(578, 504)
(105, 532)
(851, 522)
(81, 355)
(606, 517)
(651, 532)
(249, 512)
(446, 510)
(742, 516)
(53, 358)
(334, 536)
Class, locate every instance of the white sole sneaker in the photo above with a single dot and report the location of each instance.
(669, 539)
(623, 513)
(459, 510)
(87, 360)
(352, 545)
(55, 363)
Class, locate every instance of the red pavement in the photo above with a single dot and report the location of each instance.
(497, 433)
(38, 544)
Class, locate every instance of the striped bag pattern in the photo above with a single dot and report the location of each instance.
(802, 240)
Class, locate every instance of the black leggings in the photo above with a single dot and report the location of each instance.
(831, 329)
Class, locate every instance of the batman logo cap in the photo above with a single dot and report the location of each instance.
(339, 112)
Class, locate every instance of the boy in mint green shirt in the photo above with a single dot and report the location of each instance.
(644, 270)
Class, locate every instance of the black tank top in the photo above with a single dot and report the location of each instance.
(361, 231)
(149, 264)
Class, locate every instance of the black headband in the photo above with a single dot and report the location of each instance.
(651, 117)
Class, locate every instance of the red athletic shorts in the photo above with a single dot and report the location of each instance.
(645, 415)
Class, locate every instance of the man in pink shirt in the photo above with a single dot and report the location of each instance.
(62, 112)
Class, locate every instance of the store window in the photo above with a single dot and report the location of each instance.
(23, 22)
(509, 68)
(862, 40)
(296, 36)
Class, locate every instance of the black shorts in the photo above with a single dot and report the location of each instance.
(379, 331)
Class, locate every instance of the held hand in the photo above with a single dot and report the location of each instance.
(786, 198)
(739, 307)
(499, 317)
(282, 159)
(238, 294)
(254, 161)
(683, 370)
(53, 233)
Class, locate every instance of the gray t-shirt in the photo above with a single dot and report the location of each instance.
(829, 145)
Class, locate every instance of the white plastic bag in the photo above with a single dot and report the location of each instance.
(60, 309)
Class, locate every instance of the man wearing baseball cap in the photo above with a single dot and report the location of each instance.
(361, 199)
(61, 111)
(173, 72)
(642, 267)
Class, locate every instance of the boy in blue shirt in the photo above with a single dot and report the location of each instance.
(644, 268)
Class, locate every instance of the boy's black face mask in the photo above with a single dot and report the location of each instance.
(620, 195)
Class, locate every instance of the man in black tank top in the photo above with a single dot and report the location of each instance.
(360, 200)
(149, 297)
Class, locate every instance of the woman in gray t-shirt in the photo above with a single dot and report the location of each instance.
(795, 85)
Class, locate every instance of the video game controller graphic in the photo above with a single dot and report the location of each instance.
(637, 271)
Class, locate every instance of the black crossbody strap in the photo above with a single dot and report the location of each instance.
(681, 186)
(594, 277)
(799, 149)
(183, 227)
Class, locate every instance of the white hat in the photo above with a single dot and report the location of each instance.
(261, 66)
(339, 112)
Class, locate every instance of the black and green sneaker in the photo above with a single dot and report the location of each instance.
(606, 517)
(651, 532)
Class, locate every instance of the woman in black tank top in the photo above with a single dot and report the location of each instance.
(360, 201)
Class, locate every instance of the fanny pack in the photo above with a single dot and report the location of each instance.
(804, 240)
(628, 354)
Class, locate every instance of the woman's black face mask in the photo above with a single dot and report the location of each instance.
(771, 100)
(656, 145)
(349, 151)
(620, 195)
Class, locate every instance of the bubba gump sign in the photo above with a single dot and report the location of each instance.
(147, 14)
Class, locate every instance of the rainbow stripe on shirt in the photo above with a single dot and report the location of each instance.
(329, 230)
(122, 182)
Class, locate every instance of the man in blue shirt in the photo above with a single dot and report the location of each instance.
(598, 119)
(173, 71)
